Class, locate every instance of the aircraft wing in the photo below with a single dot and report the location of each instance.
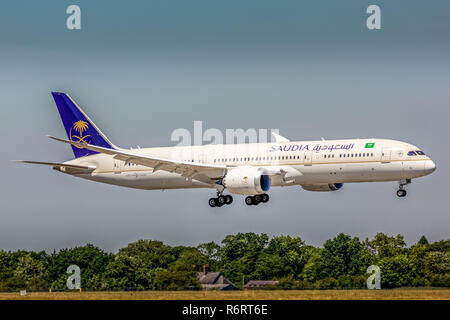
(206, 173)
(69, 168)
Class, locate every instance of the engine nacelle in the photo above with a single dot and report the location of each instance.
(323, 187)
(247, 180)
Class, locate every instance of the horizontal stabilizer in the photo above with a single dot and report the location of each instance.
(69, 168)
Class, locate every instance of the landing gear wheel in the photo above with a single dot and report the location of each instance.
(401, 193)
(212, 202)
(257, 199)
(228, 199)
(264, 197)
(221, 200)
(249, 200)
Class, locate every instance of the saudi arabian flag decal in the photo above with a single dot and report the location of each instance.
(370, 144)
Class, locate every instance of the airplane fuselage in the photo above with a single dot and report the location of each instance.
(305, 163)
(249, 169)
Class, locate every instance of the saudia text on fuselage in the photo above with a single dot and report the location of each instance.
(307, 147)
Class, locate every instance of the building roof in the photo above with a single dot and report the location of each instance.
(215, 280)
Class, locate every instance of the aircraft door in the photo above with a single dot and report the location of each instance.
(307, 158)
(117, 166)
(386, 155)
(201, 155)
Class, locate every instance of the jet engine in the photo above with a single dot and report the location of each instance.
(323, 186)
(247, 180)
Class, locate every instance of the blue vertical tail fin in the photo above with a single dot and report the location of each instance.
(78, 126)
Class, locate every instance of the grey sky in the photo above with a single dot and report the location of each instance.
(142, 70)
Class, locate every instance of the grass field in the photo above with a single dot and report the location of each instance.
(395, 294)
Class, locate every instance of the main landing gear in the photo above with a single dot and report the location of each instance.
(257, 199)
(402, 192)
(220, 200)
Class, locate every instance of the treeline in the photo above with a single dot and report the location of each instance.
(148, 264)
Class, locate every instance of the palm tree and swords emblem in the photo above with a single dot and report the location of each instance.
(80, 126)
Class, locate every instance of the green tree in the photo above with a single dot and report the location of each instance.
(437, 263)
(417, 256)
(442, 245)
(283, 256)
(6, 265)
(239, 255)
(176, 280)
(241, 244)
(423, 240)
(396, 271)
(190, 259)
(91, 260)
(12, 280)
(343, 255)
(211, 251)
(134, 266)
(32, 272)
(383, 246)
(310, 271)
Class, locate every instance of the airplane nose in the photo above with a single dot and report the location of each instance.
(429, 166)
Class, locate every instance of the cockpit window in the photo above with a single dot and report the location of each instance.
(412, 153)
(420, 153)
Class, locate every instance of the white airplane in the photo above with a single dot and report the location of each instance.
(244, 169)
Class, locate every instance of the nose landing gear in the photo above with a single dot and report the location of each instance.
(402, 192)
(256, 199)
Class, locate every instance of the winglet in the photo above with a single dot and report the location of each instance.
(279, 138)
